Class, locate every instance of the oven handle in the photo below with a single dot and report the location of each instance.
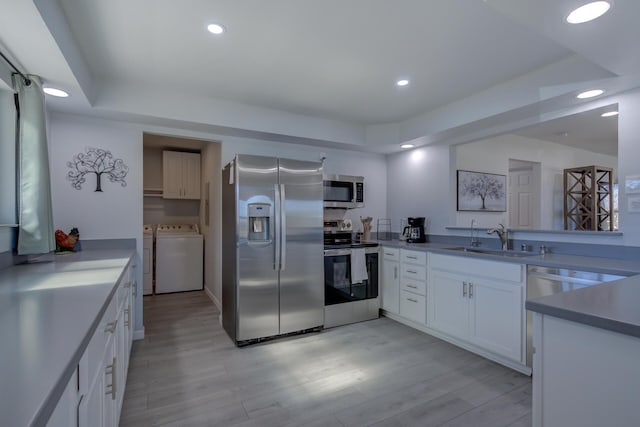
(337, 252)
(347, 251)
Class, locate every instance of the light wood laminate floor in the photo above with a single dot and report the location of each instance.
(187, 372)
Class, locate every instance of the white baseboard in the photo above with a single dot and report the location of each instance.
(213, 298)
(138, 334)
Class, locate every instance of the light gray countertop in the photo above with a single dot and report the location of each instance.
(48, 313)
(614, 306)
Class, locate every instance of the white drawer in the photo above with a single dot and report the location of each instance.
(392, 254)
(414, 272)
(98, 343)
(413, 257)
(414, 286)
(413, 307)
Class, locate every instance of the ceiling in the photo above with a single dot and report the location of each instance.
(587, 130)
(323, 72)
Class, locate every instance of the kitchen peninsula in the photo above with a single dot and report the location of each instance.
(52, 331)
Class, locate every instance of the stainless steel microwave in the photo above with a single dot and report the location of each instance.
(343, 191)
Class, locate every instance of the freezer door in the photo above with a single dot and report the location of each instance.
(257, 287)
(302, 267)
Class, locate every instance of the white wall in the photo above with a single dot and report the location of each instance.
(117, 211)
(629, 161)
(492, 155)
(213, 231)
(418, 185)
(424, 184)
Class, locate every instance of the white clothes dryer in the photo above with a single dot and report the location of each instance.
(147, 260)
(179, 262)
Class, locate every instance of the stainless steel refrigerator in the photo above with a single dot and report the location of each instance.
(272, 247)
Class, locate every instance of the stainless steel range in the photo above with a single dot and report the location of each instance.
(350, 276)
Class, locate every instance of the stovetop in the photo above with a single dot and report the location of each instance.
(351, 245)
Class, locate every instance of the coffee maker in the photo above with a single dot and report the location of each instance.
(414, 232)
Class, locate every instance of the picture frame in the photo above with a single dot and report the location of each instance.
(481, 191)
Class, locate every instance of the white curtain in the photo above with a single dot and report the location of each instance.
(35, 232)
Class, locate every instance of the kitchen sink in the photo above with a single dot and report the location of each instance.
(498, 252)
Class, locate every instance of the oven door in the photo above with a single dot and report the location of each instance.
(338, 288)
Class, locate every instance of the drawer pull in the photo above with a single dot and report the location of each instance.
(388, 253)
(111, 326)
(412, 286)
(111, 388)
(412, 272)
(412, 300)
(412, 257)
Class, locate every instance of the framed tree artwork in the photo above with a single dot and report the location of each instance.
(482, 192)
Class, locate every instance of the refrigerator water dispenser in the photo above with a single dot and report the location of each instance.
(259, 216)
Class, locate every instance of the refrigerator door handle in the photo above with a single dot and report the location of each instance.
(283, 229)
(276, 231)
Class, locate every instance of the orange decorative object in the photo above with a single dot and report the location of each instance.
(67, 242)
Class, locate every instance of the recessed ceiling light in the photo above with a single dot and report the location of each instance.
(590, 93)
(588, 12)
(55, 92)
(403, 82)
(216, 29)
(407, 146)
(609, 114)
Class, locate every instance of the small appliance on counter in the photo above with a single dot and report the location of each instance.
(414, 232)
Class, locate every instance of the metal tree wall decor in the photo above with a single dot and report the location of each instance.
(99, 162)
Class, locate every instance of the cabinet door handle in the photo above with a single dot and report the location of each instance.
(111, 388)
(412, 286)
(470, 290)
(464, 289)
(127, 321)
(395, 272)
(111, 326)
(135, 289)
(412, 300)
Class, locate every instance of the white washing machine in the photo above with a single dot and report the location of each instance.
(147, 259)
(179, 264)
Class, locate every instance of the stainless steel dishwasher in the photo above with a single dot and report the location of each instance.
(543, 281)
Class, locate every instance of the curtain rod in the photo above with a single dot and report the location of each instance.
(27, 81)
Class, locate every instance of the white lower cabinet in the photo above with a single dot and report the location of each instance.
(391, 280)
(483, 306)
(103, 367)
(413, 285)
(413, 306)
(66, 411)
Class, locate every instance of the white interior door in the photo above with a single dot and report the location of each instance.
(524, 209)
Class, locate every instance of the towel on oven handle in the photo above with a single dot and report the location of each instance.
(358, 266)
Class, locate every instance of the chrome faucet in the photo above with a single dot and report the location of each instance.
(503, 234)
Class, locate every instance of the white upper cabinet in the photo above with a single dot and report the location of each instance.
(180, 175)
